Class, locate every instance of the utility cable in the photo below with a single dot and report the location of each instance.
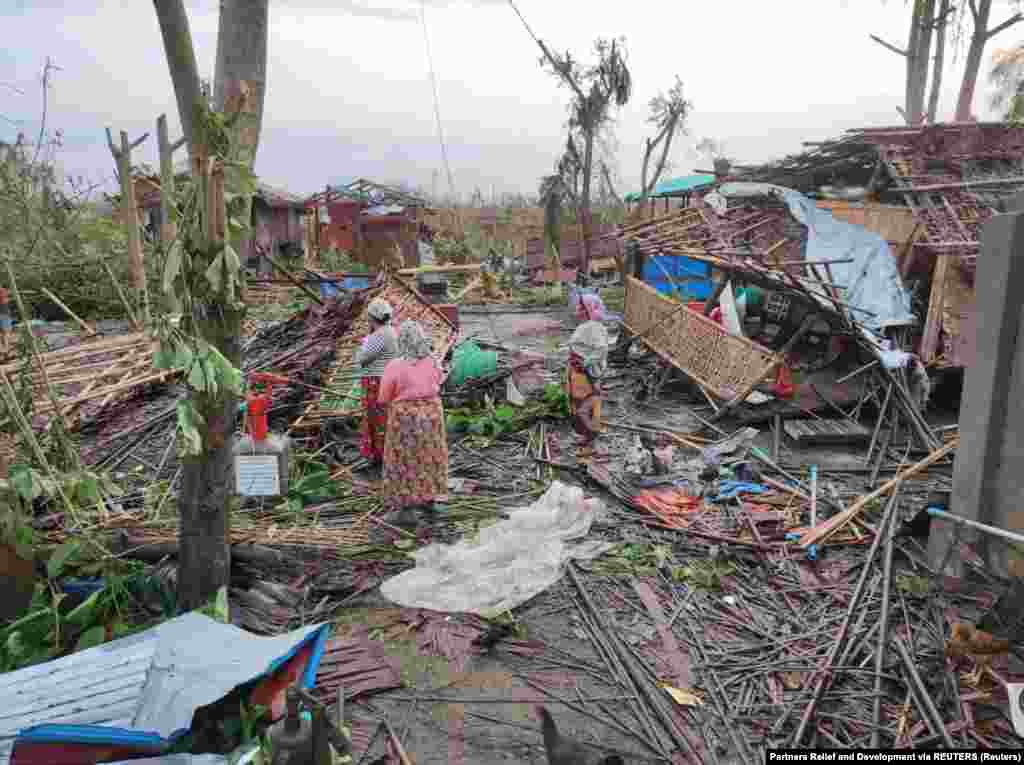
(437, 104)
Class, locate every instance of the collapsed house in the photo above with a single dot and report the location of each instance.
(925, 191)
(366, 220)
(278, 223)
(940, 181)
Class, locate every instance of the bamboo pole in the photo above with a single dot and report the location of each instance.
(828, 528)
(68, 311)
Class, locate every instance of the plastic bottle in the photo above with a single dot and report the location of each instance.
(261, 457)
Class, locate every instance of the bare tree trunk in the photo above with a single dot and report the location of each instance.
(924, 13)
(981, 11)
(130, 215)
(181, 59)
(242, 65)
(913, 43)
(168, 225)
(972, 66)
(940, 59)
(206, 489)
(588, 166)
(666, 135)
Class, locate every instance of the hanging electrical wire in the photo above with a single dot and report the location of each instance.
(437, 102)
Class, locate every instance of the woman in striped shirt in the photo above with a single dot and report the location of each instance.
(378, 348)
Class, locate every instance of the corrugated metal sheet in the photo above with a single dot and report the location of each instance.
(99, 686)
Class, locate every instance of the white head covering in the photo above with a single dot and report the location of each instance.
(590, 343)
(379, 309)
(413, 342)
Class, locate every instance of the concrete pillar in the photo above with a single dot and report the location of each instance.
(988, 478)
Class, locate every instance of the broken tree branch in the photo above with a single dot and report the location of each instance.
(1015, 19)
(888, 46)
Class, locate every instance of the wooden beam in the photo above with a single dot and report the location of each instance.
(933, 322)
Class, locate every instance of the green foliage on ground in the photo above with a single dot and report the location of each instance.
(491, 421)
(50, 630)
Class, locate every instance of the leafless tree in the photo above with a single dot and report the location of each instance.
(597, 90)
(981, 13)
(939, 21)
(668, 115)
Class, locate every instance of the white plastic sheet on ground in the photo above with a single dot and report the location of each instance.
(506, 564)
(872, 281)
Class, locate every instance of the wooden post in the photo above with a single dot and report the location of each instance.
(130, 213)
(168, 225)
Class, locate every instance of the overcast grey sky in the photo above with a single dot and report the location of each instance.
(349, 92)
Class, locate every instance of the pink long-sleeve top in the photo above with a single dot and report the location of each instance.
(405, 380)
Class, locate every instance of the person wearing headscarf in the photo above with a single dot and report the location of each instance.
(378, 348)
(416, 447)
(588, 361)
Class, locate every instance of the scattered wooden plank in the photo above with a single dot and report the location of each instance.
(826, 432)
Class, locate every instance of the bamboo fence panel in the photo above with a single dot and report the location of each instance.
(722, 363)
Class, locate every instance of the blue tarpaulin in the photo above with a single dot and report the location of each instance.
(329, 289)
(871, 281)
(692, 277)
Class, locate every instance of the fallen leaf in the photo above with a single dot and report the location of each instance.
(683, 697)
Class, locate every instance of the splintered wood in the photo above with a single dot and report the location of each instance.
(406, 303)
(722, 363)
(92, 372)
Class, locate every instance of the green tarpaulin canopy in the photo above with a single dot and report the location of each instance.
(675, 186)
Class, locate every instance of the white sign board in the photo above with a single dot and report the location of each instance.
(257, 475)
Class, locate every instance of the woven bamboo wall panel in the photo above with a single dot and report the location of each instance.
(722, 363)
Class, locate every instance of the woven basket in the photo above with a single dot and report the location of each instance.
(724, 364)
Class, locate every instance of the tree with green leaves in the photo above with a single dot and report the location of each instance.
(204, 273)
(668, 115)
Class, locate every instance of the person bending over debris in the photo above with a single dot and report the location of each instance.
(588, 359)
(416, 447)
(377, 350)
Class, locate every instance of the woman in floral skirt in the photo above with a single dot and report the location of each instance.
(415, 447)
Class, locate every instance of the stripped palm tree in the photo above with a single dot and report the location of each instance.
(1007, 79)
